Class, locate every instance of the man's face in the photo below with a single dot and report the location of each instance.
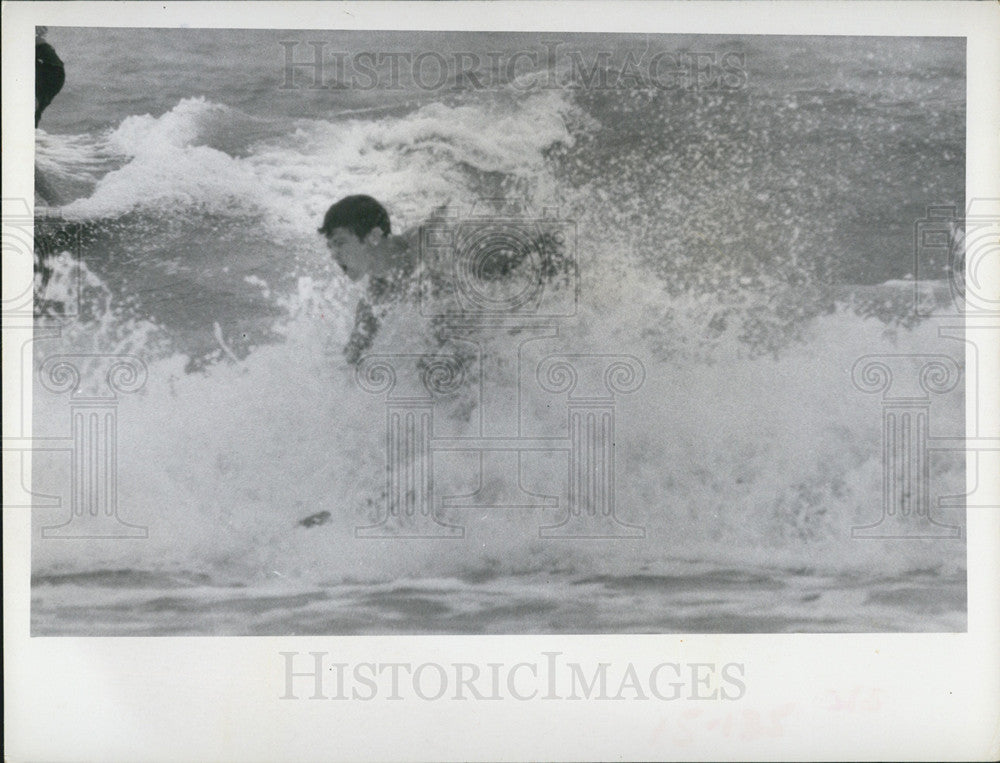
(352, 254)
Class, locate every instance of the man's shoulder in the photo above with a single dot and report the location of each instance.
(412, 235)
(409, 239)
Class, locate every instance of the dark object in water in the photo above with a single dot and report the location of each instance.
(49, 76)
(314, 520)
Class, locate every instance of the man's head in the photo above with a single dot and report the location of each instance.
(355, 227)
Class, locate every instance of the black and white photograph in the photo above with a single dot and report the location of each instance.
(347, 331)
(497, 333)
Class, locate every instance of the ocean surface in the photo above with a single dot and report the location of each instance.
(745, 243)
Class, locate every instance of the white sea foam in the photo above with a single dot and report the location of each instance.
(413, 163)
(729, 460)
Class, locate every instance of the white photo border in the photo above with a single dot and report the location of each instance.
(915, 696)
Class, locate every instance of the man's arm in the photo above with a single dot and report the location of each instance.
(363, 334)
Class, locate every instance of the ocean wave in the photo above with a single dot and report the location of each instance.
(726, 455)
(202, 155)
(727, 459)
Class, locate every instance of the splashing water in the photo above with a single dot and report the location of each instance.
(746, 455)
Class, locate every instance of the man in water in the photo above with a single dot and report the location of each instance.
(49, 73)
(359, 235)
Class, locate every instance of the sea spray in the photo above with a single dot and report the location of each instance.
(746, 446)
(734, 460)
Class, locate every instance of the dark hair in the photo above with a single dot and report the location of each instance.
(359, 214)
